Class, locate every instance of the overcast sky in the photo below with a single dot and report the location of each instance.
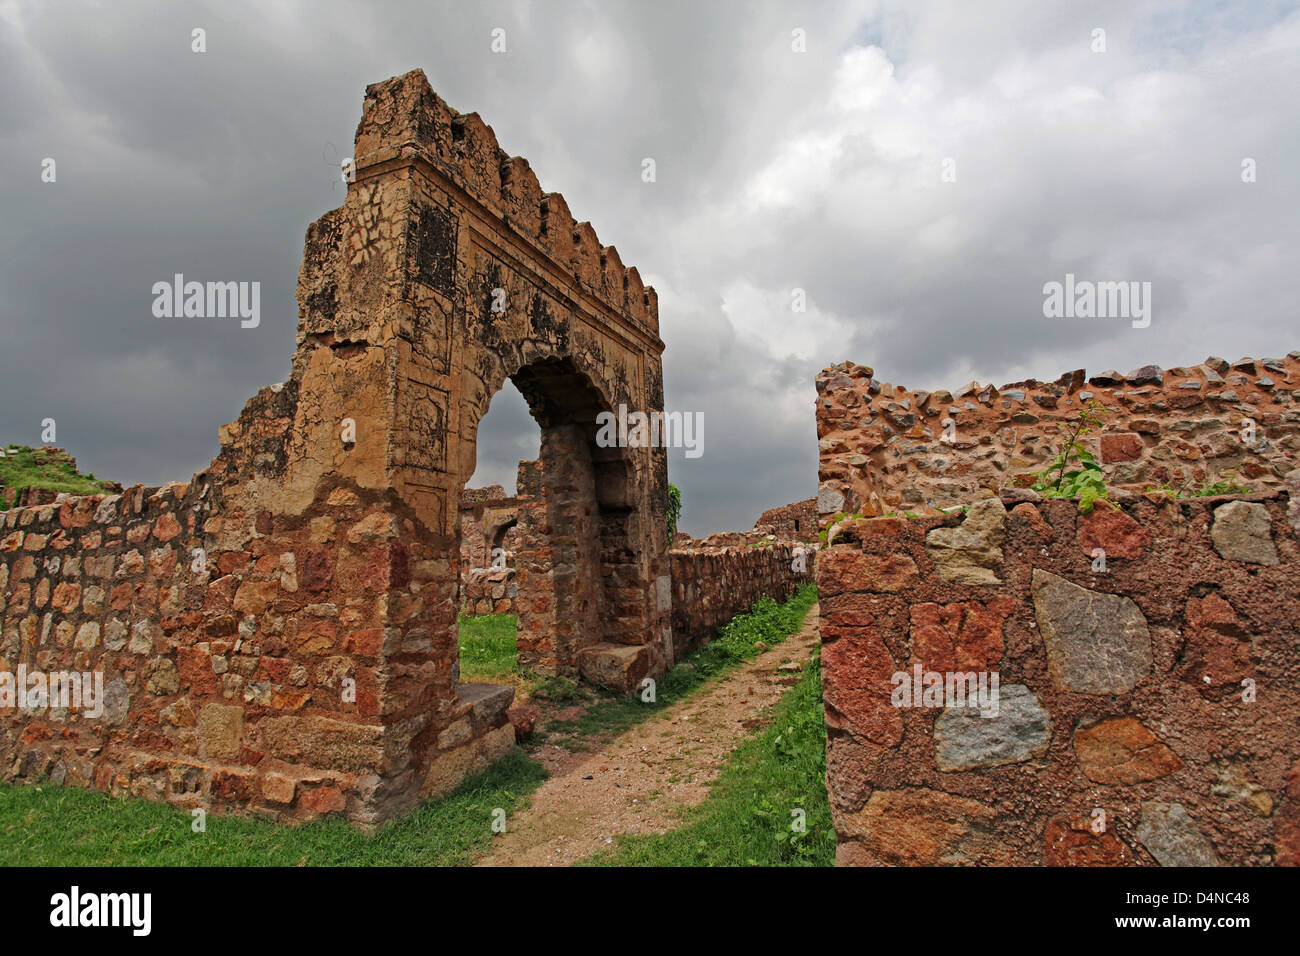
(819, 170)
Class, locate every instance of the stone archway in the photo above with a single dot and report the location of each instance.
(445, 271)
(574, 555)
(294, 604)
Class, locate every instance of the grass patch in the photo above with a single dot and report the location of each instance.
(766, 621)
(487, 647)
(746, 819)
(51, 468)
(67, 826)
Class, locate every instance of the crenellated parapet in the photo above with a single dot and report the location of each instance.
(404, 121)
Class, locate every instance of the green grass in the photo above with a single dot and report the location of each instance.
(487, 647)
(67, 826)
(23, 467)
(766, 621)
(746, 818)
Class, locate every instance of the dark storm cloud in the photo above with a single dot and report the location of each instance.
(776, 171)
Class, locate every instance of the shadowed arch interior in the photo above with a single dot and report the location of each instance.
(574, 563)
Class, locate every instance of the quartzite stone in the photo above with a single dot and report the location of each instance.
(1096, 643)
(965, 739)
(969, 553)
(1242, 532)
(1171, 835)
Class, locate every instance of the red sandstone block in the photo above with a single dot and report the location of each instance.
(24, 568)
(166, 527)
(1035, 520)
(232, 785)
(965, 636)
(195, 668)
(288, 701)
(229, 561)
(121, 596)
(66, 597)
(316, 569)
(1113, 531)
(387, 567)
(323, 800)
(1125, 446)
(275, 669)
(867, 528)
(856, 681)
(842, 570)
(162, 562)
(317, 638)
(278, 788)
(1218, 647)
(366, 643)
(1123, 751)
(1071, 841)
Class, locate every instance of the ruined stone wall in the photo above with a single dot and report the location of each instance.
(1148, 705)
(885, 448)
(486, 591)
(793, 522)
(712, 582)
(244, 654)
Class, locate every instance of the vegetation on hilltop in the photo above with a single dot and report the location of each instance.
(51, 469)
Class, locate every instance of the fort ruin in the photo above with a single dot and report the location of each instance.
(279, 633)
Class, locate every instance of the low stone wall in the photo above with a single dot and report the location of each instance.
(233, 660)
(490, 592)
(711, 585)
(886, 448)
(1148, 684)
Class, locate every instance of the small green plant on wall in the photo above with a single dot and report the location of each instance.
(1226, 485)
(1075, 472)
(674, 510)
(841, 517)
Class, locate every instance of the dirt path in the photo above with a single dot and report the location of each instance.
(637, 782)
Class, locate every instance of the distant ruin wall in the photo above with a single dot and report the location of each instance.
(884, 448)
(794, 522)
(711, 585)
(1148, 704)
(485, 591)
(487, 521)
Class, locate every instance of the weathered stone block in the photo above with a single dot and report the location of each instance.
(1170, 834)
(1123, 751)
(1242, 531)
(1019, 730)
(221, 730)
(971, 552)
(1096, 643)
